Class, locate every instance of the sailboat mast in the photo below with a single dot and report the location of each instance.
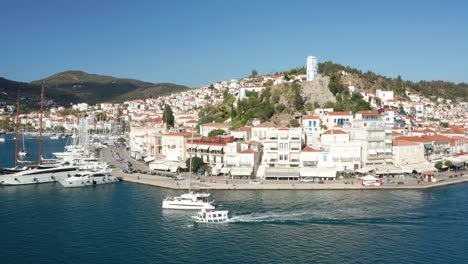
(39, 159)
(190, 164)
(17, 129)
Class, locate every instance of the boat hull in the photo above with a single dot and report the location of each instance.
(68, 183)
(186, 205)
(40, 177)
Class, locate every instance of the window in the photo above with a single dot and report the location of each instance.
(286, 146)
(281, 146)
(315, 123)
(324, 158)
(310, 123)
(280, 157)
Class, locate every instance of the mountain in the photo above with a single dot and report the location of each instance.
(78, 86)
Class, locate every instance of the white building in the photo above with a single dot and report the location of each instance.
(384, 95)
(312, 67)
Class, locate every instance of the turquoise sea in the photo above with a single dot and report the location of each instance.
(124, 223)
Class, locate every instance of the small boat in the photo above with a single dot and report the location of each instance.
(88, 178)
(22, 154)
(211, 216)
(189, 201)
(2, 139)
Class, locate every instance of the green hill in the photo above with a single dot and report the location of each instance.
(373, 81)
(78, 86)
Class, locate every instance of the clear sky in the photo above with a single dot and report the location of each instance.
(198, 42)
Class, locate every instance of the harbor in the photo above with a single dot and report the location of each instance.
(222, 183)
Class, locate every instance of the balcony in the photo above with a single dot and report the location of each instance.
(273, 138)
(294, 160)
(295, 138)
(295, 149)
(273, 160)
(273, 149)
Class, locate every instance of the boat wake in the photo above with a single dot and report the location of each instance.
(323, 218)
(269, 218)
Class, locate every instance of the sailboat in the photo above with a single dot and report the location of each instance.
(23, 151)
(190, 200)
(40, 173)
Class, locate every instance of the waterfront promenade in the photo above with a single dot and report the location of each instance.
(222, 183)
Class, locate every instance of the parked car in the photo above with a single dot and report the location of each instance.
(255, 182)
(178, 178)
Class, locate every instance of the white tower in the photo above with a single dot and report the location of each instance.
(311, 68)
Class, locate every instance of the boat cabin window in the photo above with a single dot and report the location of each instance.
(219, 215)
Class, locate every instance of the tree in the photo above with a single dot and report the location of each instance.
(439, 165)
(168, 116)
(197, 162)
(294, 123)
(216, 132)
(448, 163)
(121, 140)
(254, 73)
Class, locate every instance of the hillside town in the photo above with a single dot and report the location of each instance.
(397, 137)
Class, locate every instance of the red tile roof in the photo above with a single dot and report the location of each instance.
(334, 131)
(368, 113)
(412, 139)
(437, 138)
(339, 113)
(310, 117)
(404, 143)
(309, 149)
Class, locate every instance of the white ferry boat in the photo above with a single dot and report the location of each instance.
(211, 216)
(88, 178)
(189, 201)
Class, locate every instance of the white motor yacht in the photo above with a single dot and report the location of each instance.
(189, 201)
(41, 174)
(211, 216)
(88, 178)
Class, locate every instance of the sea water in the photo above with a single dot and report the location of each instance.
(124, 223)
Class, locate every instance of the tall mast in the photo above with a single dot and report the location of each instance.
(39, 159)
(17, 129)
(190, 164)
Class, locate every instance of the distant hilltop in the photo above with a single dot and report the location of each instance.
(78, 86)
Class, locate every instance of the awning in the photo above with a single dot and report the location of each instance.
(158, 166)
(241, 171)
(217, 148)
(380, 150)
(225, 170)
(364, 170)
(388, 150)
(318, 172)
(173, 168)
(389, 171)
(372, 152)
(428, 146)
(149, 159)
(389, 141)
(281, 172)
(203, 147)
(192, 146)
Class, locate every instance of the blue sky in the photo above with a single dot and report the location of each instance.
(198, 42)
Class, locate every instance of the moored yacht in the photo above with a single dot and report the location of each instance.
(88, 178)
(211, 216)
(41, 174)
(189, 201)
